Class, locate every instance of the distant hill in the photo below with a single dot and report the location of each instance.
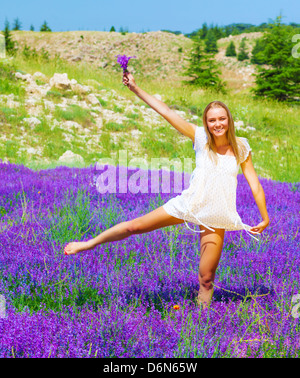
(159, 54)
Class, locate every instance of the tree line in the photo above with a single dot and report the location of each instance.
(278, 68)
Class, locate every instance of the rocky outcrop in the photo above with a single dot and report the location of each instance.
(69, 157)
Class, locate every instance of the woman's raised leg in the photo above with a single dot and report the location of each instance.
(211, 249)
(157, 218)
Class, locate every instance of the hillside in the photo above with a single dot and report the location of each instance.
(159, 54)
(85, 113)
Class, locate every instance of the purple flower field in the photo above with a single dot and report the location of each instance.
(117, 300)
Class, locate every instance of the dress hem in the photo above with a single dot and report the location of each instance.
(226, 228)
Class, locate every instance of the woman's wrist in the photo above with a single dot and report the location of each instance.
(134, 89)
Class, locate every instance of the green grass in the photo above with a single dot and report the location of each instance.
(74, 113)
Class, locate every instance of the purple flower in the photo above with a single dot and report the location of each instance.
(123, 61)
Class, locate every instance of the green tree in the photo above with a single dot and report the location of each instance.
(203, 70)
(31, 27)
(242, 55)
(17, 24)
(218, 32)
(10, 44)
(230, 51)
(45, 27)
(211, 42)
(112, 29)
(203, 31)
(281, 79)
(258, 52)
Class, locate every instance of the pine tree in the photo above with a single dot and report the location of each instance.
(17, 24)
(281, 79)
(203, 31)
(45, 27)
(230, 51)
(242, 55)
(211, 42)
(218, 32)
(258, 52)
(203, 69)
(112, 29)
(10, 44)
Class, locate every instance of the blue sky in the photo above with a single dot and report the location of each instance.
(142, 16)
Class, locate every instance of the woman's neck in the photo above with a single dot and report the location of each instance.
(221, 142)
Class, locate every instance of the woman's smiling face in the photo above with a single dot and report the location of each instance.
(217, 121)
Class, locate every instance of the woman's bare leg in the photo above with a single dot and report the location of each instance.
(211, 249)
(155, 219)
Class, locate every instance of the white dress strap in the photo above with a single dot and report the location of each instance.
(203, 224)
(247, 230)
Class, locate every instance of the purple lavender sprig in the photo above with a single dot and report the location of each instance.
(123, 61)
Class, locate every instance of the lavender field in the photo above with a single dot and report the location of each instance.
(118, 300)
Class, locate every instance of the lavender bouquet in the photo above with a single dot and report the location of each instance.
(123, 61)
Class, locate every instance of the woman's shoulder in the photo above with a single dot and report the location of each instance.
(200, 138)
(243, 148)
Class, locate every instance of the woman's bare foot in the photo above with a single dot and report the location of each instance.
(75, 247)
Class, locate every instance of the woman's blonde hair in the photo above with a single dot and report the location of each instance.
(234, 141)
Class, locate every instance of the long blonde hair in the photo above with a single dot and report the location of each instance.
(234, 141)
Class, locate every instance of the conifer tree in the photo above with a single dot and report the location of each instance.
(45, 27)
(211, 42)
(203, 69)
(230, 51)
(10, 44)
(258, 52)
(112, 29)
(17, 24)
(218, 32)
(281, 79)
(203, 31)
(242, 55)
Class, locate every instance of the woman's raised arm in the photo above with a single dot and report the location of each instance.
(184, 127)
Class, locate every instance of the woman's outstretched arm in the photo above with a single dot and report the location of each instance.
(258, 193)
(184, 127)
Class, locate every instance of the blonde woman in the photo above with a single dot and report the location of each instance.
(210, 199)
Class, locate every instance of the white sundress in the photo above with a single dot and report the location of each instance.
(210, 199)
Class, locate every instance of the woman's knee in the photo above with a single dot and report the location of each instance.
(206, 279)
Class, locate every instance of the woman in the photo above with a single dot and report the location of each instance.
(209, 201)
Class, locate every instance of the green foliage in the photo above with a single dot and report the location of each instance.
(258, 52)
(10, 44)
(112, 29)
(280, 81)
(232, 29)
(123, 31)
(45, 27)
(17, 24)
(204, 70)
(211, 42)
(8, 82)
(230, 51)
(31, 53)
(114, 126)
(203, 31)
(242, 55)
(75, 113)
